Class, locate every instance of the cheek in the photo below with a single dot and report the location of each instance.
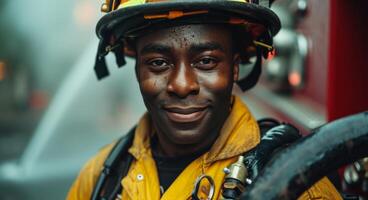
(151, 85)
(217, 81)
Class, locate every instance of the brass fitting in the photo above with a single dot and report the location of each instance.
(237, 170)
(106, 7)
(235, 180)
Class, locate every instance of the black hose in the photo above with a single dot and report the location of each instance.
(298, 167)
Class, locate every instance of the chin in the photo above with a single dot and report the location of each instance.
(185, 137)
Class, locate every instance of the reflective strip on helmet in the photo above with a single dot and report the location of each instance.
(175, 14)
(264, 45)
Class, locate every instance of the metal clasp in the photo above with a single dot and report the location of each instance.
(197, 185)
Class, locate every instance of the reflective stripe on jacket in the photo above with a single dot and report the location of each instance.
(239, 134)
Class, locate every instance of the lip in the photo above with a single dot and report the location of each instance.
(185, 114)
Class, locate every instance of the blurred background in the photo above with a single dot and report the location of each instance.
(40, 43)
(54, 115)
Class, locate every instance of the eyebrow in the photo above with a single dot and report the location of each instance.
(155, 48)
(207, 46)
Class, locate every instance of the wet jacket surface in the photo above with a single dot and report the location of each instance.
(239, 134)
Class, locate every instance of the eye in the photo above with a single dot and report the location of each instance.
(206, 63)
(158, 64)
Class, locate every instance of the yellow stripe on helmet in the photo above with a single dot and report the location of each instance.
(128, 3)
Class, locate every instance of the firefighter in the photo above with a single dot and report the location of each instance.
(188, 55)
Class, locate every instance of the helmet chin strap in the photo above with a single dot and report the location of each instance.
(103, 49)
(100, 63)
(251, 79)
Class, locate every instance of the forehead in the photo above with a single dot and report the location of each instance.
(186, 35)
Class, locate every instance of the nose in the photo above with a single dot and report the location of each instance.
(183, 81)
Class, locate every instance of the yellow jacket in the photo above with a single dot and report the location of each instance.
(239, 134)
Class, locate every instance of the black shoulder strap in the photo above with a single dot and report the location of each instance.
(266, 124)
(274, 136)
(116, 166)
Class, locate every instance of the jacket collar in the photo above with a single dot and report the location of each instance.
(239, 134)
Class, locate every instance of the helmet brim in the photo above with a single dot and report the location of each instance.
(248, 11)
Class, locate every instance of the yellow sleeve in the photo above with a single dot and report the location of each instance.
(323, 189)
(84, 184)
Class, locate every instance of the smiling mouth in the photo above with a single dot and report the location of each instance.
(185, 115)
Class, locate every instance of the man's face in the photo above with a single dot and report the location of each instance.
(186, 74)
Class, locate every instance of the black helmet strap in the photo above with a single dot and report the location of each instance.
(100, 63)
(102, 50)
(252, 78)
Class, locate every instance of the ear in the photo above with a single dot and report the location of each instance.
(129, 48)
(236, 63)
(129, 52)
